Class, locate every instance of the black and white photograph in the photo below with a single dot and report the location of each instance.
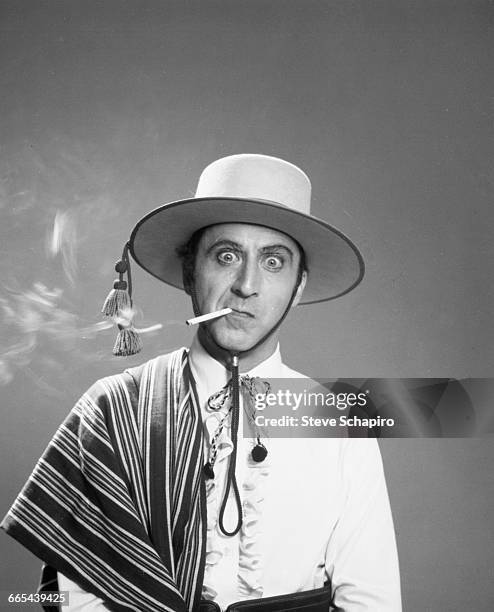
(246, 356)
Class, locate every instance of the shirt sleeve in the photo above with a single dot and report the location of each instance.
(79, 599)
(361, 557)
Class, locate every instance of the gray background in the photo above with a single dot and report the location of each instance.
(110, 108)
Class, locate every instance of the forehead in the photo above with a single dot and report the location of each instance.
(247, 235)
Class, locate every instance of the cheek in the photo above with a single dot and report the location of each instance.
(210, 284)
(277, 297)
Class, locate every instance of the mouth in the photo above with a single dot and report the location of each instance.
(244, 314)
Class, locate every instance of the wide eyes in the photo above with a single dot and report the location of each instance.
(270, 262)
(273, 262)
(227, 257)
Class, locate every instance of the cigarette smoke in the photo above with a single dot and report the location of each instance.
(55, 207)
(37, 317)
(63, 242)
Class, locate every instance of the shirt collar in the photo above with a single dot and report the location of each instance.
(210, 375)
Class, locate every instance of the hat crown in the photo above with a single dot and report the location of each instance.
(255, 190)
(256, 177)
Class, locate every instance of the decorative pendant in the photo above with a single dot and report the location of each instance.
(208, 471)
(259, 452)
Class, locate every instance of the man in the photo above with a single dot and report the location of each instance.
(150, 497)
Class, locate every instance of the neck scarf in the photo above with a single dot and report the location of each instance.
(117, 501)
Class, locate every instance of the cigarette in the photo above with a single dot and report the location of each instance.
(209, 316)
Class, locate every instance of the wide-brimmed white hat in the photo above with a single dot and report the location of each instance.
(253, 189)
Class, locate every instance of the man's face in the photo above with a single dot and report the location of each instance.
(252, 270)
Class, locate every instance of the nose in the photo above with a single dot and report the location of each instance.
(246, 283)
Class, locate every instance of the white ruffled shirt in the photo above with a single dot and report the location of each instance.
(313, 509)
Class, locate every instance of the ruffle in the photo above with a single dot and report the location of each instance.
(214, 552)
(250, 563)
(214, 546)
(250, 553)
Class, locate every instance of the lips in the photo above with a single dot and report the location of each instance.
(241, 313)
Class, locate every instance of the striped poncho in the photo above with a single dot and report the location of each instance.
(117, 501)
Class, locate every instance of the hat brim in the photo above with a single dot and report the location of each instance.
(334, 262)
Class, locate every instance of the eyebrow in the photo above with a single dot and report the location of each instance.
(278, 247)
(272, 248)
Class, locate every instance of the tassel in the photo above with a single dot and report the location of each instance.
(117, 299)
(259, 452)
(128, 342)
(118, 305)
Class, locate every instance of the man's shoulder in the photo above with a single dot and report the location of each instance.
(308, 381)
(156, 364)
(288, 372)
(133, 376)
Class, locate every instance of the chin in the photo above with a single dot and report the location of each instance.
(236, 342)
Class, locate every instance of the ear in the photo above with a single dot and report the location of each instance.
(300, 288)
